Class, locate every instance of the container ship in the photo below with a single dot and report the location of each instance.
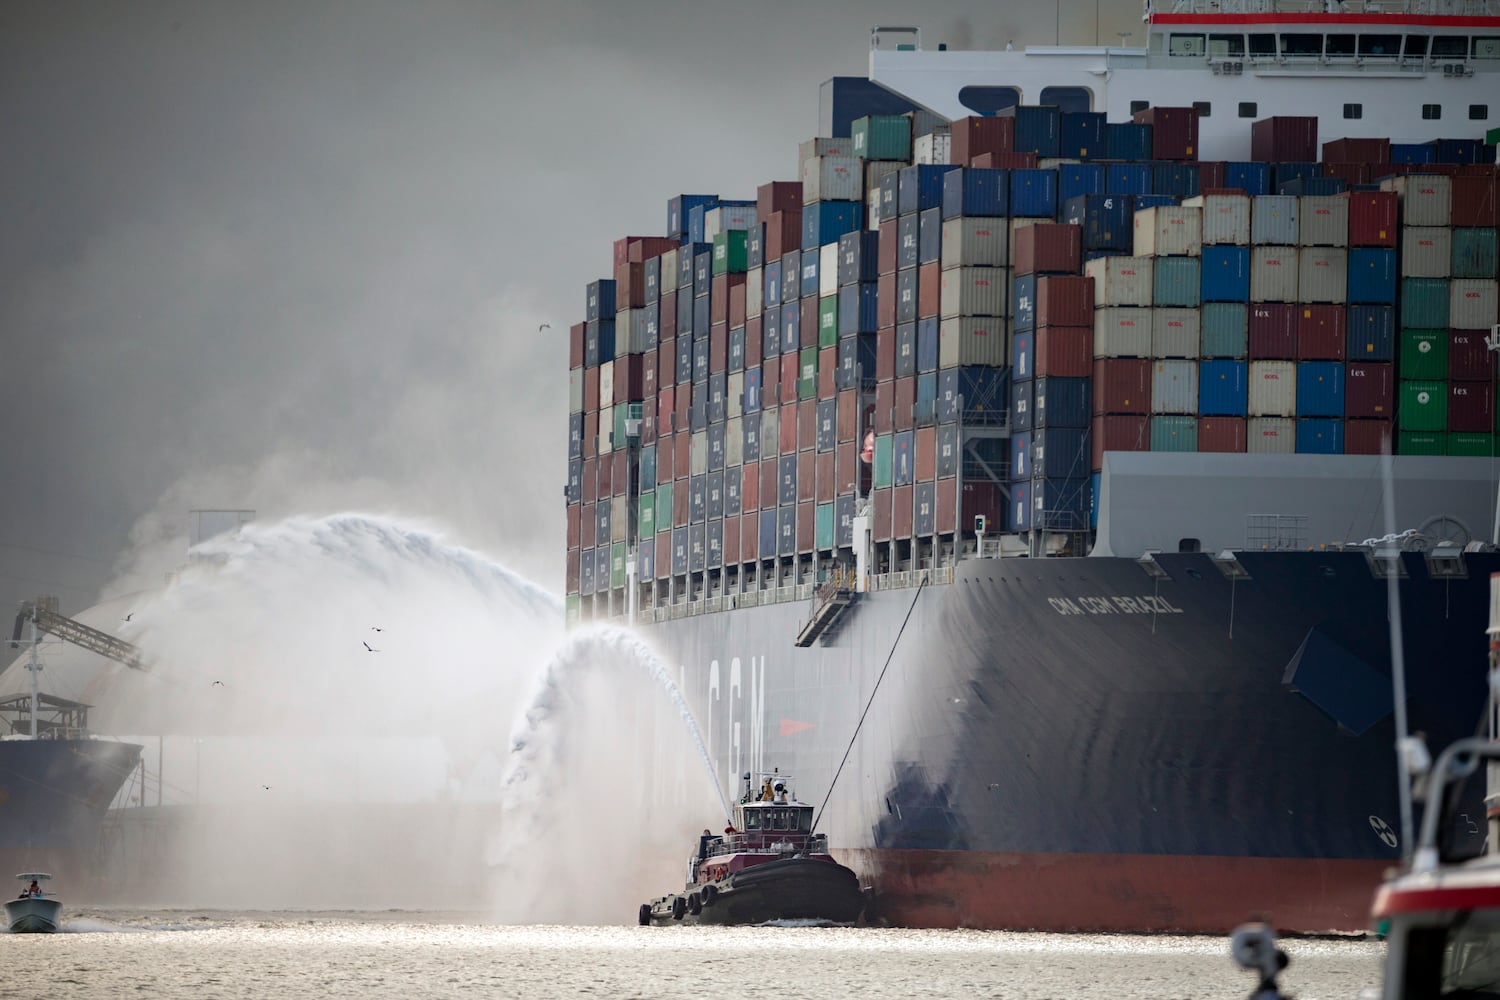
(1031, 473)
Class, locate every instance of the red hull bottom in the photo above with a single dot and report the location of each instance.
(1116, 892)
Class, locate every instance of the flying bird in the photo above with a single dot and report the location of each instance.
(128, 617)
(544, 326)
(266, 787)
(377, 628)
(370, 648)
(217, 684)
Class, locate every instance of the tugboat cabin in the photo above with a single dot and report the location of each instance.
(767, 824)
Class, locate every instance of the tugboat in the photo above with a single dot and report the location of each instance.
(767, 866)
(33, 912)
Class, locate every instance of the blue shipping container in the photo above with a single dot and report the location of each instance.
(857, 308)
(598, 342)
(1018, 511)
(971, 191)
(1412, 152)
(1061, 452)
(929, 236)
(1021, 399)
(1320, 436)
(1249, 176)
(750, 402)
(1023, 354)
(927, 395)
(679, 207)
(1075, 179)
(1020, 457)
(1128, 141)
(825, 221)
(859, 257)
(1281, 173)
(1223, 388)
(927, 347)
(1127, 178)
(1180, 180)
(772, 289)
(1371, 333)
(1083, 135)
(1038, 128)
(810, 264)
(918, 187)
(1033, 193)
(1023, 303)
(982, 390)
(1320, 389)
(1105, 221)
(1372, 276)
(1461, 151)
(1313, 186)
(1056, 505)
(1177, 281)
(1225, 273)
(1153, 201)
(599, 300)
(856, 360)
(1061, 402)
(1095, 482)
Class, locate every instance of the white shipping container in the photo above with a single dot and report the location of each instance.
(1120, 281)
(1226, 217)
(1169, 231)
(1271, 436)
(824, 146)
(1322, 221)
(973, 340)
(1174, 387)
(734, 394)
(734, 441)
(1472, 303)
(607, 382)
(698, 453)
(974, 291)
(1273, 220)
(1176, 333)
(1426, 199)
(872, 209)
(770, 430)
(1273, 388)
(607, 429)
(619, 518)
(828, 269)
(975, 241)
(1323, 274)
(1273, 274)
(1122, 332)
(668, 280)
(1426, 252)
(932, 148)
(755, 292)
(638, 340)
(575, 390)
(832, 178)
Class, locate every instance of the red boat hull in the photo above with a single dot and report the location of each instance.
(1116, 892)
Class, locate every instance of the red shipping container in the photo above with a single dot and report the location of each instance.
(681, 457)
(1471, 407)
(770, 381)
(982, 498)
(1367, 437)
(1356, 151)
(1210, 175)
(731, 540)
(1004, 161)
(770, 480)
(1064, 300)
(807, 330)
(1174, 132)
(749, 525)
(1119, 433)
(947, 496)
(885, 353)
(1273, 331)
(783, 233)
(790, 370)
(1226, 434)
(588, 525)
(807, 424)
(787, 426)
(885, 406)
(575, 345)
(778, 196)
(1122, 385)
(666, 363)
(880, 523)
(638, 249)
(588, 481)
(1349, 173)
(630, 286)
(665, 452)
(885, 301)
(1285, 139)
(846, 426)
(718, 348)
(1468, 358)
(929, 289)
(570, 582)
(665, 402)
(619, 476)
(1321, 332)
(1473, 200)
(926, 454)
(649, 388)
(662, 554)
(750, 486)
(826, 487)
(1049, 248)
(666, 323)
(1067, 351)
(901, 512)
(591, 390)
(628, 379)
(1369, 390)
(828, 362)
(590, 432)
(906, 403)
(846, 466)
(975, 135)
(737, 304)
(1372, 218)
(807, 477)
(754, 341)
(887, 250)
(682, 412)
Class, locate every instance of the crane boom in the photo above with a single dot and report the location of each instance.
(43, 611)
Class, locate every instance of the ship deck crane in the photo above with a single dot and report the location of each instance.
(44, 617)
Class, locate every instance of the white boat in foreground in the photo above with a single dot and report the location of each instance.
(33, 912)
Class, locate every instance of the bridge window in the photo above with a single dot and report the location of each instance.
(1416, 45)
(1263, 45)
(1487, 48)
(989, 100)
(1449, 47)
(1136, 106)
(1340, 45)
(1069, 100)
(1478, 112)
(1204, 108)
(1189, 545)
(1249, 109)
(1379, 45)
(1226, 46)
(1185, 45)
(1354, 111)
(1432, 112)
(752, 819)
(1301, 45)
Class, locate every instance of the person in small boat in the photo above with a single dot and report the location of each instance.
(31, 890)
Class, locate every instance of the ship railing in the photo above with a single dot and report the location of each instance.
(767, 840)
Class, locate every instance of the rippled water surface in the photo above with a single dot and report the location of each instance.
(110, 953)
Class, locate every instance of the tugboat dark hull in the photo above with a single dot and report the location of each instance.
(787, 889)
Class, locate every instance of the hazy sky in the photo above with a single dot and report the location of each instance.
(293, 257)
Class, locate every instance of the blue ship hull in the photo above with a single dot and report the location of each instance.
(53, 798)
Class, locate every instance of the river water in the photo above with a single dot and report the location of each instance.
(249, 955)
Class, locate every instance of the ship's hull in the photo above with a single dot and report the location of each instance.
(788, 889)
(1081, 744)
(53, 798)
(32, 915)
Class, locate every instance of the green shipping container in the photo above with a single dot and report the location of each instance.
(807, 381)
(1174, 433)
(823, 526)
(663, 507)
(1478, 445)
(617, 565)
(1422, 406)
(1474, 253)
(730, 256)
(1226, 328)
(572, 610)
(648, 515)
(1424, 303)
(882, 137)
(883, 445)
(1417, 443)
(1423, 354)
(1176, 282)
(828, 321)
